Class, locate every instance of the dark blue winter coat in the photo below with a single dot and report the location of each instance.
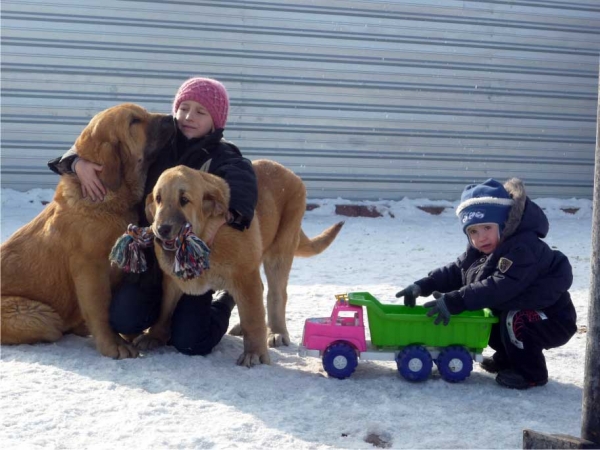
(210, 153)
(215, 155)
(523, 272)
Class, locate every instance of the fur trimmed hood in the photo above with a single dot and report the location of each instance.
(524, 215)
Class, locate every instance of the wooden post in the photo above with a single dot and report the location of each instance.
(590, 414)
(590, 426)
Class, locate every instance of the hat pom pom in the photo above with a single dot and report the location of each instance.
(192, 255)
(128, 254)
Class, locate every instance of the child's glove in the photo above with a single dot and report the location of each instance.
(439, 307)
(410, 294)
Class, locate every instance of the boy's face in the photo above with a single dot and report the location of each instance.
(193, 120)
(484, 237)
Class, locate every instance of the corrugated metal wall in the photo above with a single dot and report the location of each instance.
(363, 99)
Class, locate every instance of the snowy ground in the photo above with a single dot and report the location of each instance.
(65, 395)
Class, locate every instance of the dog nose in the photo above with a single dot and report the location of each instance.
(164, 230)
(167, 126)
(169, 123)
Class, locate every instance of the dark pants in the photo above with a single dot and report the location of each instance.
(521, 336)
(197, 325)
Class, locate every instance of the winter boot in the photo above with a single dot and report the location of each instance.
(493, 364)
(511, 379)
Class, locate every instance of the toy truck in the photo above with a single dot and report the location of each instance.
(398, 333)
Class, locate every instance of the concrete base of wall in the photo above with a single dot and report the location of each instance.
(373, 211)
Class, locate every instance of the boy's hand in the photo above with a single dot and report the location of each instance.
(90, 183)
(410, 294)
(439, 307)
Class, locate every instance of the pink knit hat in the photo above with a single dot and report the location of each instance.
(209, 93)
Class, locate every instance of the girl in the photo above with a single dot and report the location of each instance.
(200, 111)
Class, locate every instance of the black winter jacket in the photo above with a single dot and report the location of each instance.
(214, 155)
(523, 272)
(210, 153)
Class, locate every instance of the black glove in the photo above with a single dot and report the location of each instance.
(439, 307)
(410, 294)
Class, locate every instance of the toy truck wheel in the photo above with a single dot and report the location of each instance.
(454, 364)
(340, 360)
(414, 363)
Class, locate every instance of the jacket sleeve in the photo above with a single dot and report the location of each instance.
(443, 279)
(239, 175)
(63, 164)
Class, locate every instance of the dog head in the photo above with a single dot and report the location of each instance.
(185, 195)
(125, 140)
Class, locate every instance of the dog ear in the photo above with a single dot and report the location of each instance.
(110, 158)
(150, 207)
(215, 201)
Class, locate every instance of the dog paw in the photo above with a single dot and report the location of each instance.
(117, 349)
(236, 330)
(248, 359)
(81, 330)
(278, 339)
(148, 342)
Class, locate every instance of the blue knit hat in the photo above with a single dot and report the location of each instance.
(487, 202)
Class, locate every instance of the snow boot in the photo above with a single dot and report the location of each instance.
(511, 379)
(493, 365)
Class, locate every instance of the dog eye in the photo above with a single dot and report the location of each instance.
(135, 120)
(158, 199)
(184, 201)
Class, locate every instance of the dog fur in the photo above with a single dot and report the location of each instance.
(56, 276)
(185, 195)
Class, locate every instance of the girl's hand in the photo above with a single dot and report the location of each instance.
(90, 183)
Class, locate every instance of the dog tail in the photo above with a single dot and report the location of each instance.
(311, 247)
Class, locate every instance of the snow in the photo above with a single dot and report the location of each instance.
(65, 395)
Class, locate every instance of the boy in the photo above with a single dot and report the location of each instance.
(509, 269)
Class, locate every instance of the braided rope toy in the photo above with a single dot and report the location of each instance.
(191, 253)
(127, 252)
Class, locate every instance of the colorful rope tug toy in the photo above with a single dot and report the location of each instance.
(127, 252)
(191, 253)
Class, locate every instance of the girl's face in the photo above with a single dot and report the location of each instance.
(193, 120)
(484, 237)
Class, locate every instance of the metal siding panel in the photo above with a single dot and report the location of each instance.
(363, 99)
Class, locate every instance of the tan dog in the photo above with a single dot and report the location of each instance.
(185, 195)
(56, 276)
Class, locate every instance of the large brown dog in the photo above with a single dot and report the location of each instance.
(56, 276)
(185, 195)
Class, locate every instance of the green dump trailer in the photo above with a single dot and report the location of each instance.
(452, 347)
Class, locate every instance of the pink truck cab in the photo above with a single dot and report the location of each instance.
(346, 324)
